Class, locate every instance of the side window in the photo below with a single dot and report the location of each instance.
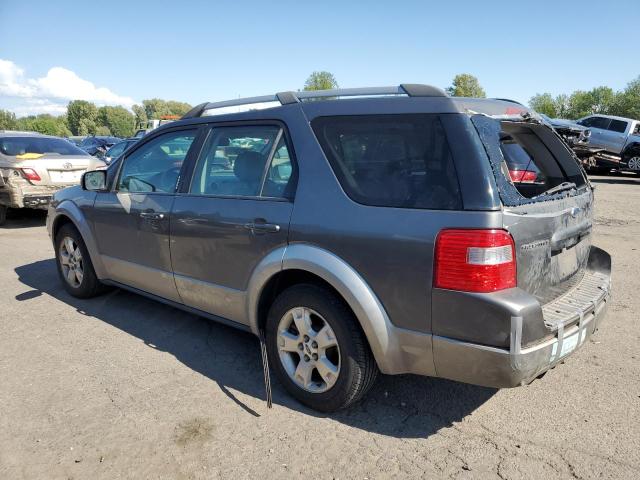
(598, 122)
(391, 160)
(618, 126)
(233, 163)
(155, 166)
(117, 149)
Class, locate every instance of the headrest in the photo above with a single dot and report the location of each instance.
(249, 166)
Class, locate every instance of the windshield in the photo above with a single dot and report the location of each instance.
(15, 146)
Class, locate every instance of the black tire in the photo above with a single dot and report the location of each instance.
(3, 214)
(90, 286)
(358, 369)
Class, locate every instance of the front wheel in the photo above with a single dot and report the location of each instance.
(633, 164)
(74, 264)
(3, 214)
(317, 349)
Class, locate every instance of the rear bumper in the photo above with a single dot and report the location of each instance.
(572, 319)
(26, 196)
(497, 367)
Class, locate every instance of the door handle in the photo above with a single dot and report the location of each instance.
(152, 215)
(261, 227)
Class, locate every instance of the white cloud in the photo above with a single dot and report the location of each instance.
(51, 93)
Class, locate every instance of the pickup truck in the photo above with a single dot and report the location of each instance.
(618, 136)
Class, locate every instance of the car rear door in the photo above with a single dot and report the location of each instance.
(616, 135)
(235, 211)
(132, 221)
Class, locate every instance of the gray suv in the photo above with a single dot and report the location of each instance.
(380, 233)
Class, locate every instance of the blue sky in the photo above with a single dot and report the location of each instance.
(122, 52)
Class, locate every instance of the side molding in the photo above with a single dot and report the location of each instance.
(71, 211)
(396, 350)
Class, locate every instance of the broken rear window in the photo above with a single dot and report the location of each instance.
(528, 159)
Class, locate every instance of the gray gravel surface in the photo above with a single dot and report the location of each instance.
(123, 387)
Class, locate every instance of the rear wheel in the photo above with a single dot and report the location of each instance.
(74, 264)
(317, 349)
(633, 164)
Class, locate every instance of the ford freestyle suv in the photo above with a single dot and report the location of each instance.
(361, 230)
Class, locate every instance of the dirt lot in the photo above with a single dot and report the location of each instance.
(123, 387)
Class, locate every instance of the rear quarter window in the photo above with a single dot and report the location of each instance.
(399, 161)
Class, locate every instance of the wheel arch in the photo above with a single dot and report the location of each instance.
(68, 212)
(394, 349)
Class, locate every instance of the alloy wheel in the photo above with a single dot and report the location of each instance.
(71, 262)
(634, 163)
(308, 350)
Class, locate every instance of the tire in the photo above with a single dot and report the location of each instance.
(3, 214)
(357, 369)
(85, 285)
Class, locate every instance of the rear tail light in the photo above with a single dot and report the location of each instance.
(523, 176)
(474, 260)
(30, 174)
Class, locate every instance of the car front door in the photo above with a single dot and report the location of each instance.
(233, 213)
(132, 220)
(598, 126)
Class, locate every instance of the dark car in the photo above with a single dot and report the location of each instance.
(98, 145)
(118, 149)
(379, 233)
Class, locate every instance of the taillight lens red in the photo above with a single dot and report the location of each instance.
(523, 176)
(30, 174)
(472, 260)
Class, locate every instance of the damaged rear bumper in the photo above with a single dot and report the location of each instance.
(518, 365)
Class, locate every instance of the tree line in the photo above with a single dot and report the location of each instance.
(580, 103)
(85, 118)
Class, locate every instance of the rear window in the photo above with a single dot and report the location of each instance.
(618, 126)
(529, 158)
(14, 146)
(391, 160)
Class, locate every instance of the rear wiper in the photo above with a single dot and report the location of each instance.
(558, 188)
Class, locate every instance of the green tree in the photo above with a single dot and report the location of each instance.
(321, 80)
(140, 113)
(7, 120)
(627, 102)
(155, 108)
(544, 103)
(45, 124)
(117, 120)
(82, 117)
(466, 85)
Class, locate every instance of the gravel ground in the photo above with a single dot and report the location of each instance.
(123, 387)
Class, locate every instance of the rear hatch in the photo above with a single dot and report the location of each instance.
(548, 210)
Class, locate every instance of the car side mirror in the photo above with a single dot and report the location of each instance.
(94, 181)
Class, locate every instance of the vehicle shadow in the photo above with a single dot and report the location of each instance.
(24, 218)
(617, 179)
(404, 406)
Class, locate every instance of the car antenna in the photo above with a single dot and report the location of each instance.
(265, 367)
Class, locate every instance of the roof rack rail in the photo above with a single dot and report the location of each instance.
(287, 98)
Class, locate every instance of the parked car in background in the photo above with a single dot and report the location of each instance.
(76, 139)
(98, 145)
(33, 167)
(118, 149)
(619, 137)
(381, 233)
